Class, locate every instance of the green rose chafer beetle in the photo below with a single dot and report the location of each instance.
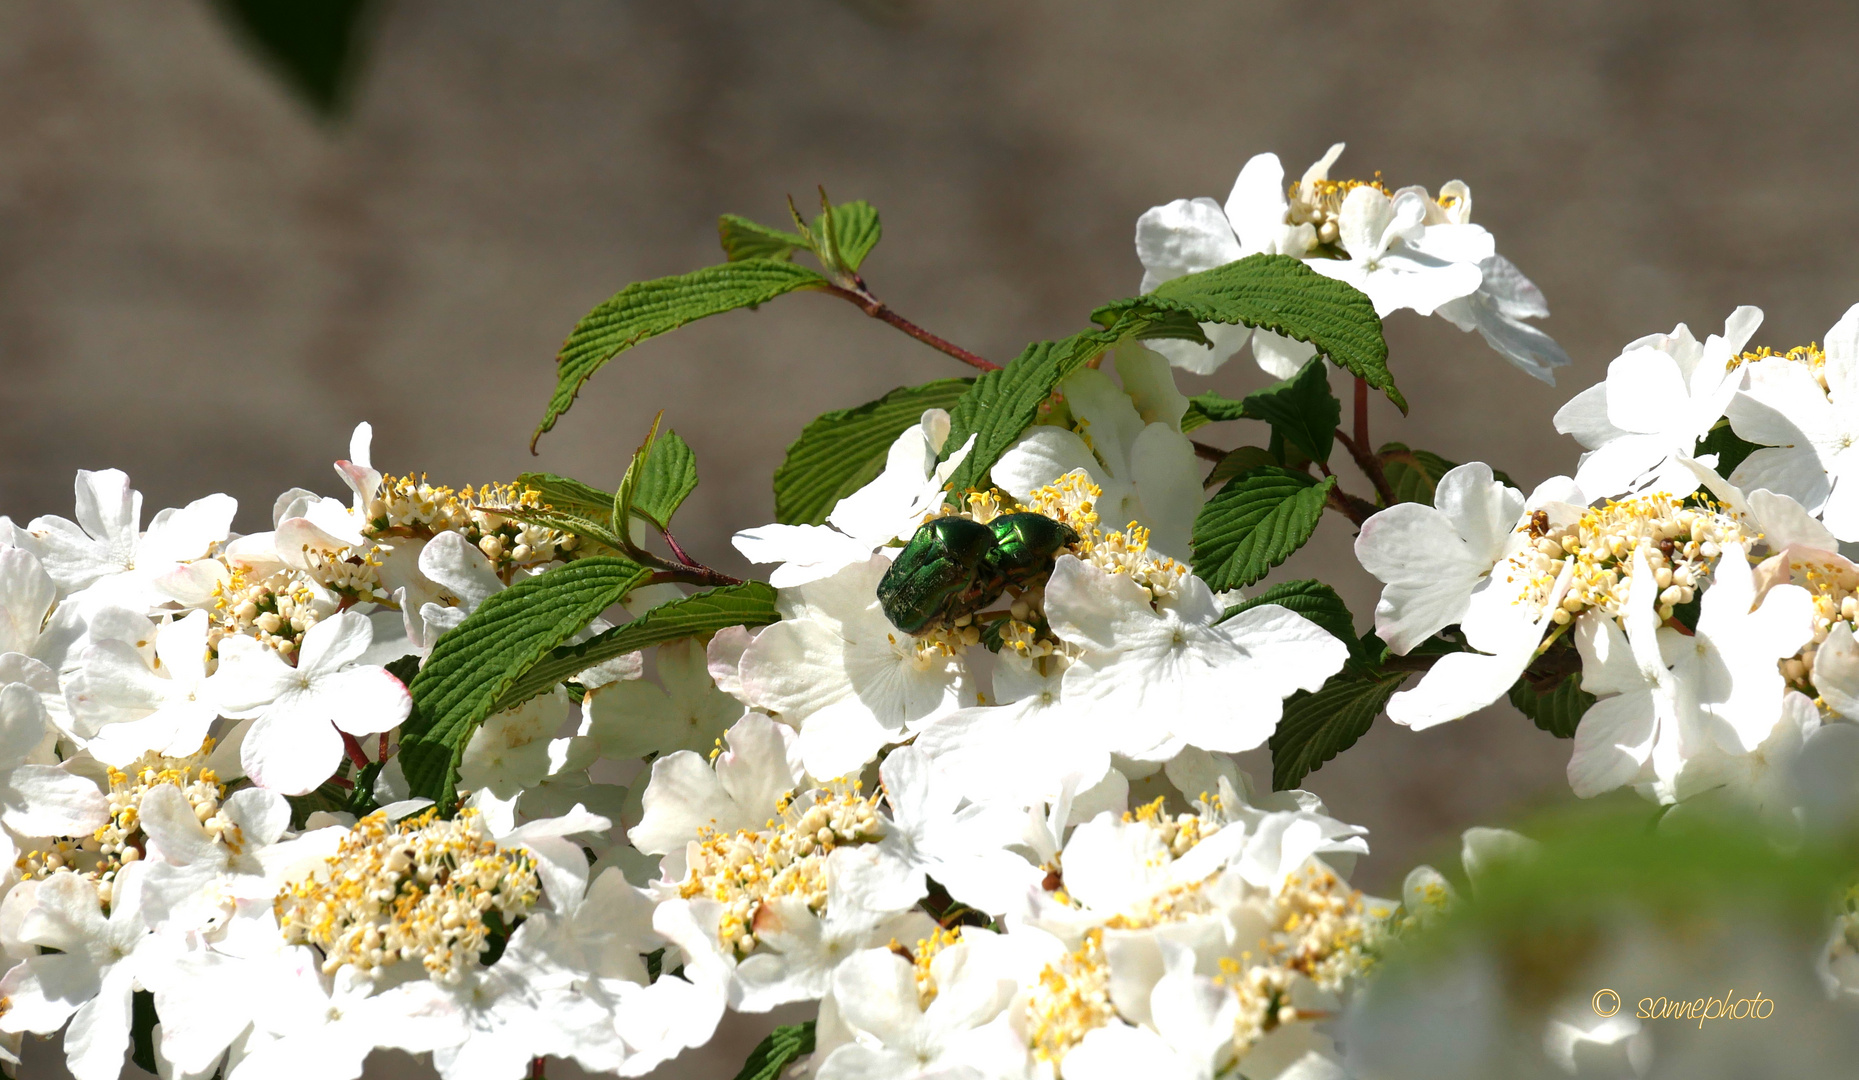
(953, 566)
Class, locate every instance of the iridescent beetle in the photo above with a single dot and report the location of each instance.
(954, 566)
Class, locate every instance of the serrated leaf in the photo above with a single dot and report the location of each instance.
(476, 663)
(1301, 410)
(1002, 404)
(842, 451)
(1204, 409)
(648, 308)
(1310, 598)
(1254, 523)
(854, 231)
(1282, 295)
(1729, 447)
(1558, 709)
(668, 477)
(596, 538)
(569, 496)
(1243, 459)
(751, 603)
(745, 239)
(783, 1046)
(1317, 727)
(1413, 474)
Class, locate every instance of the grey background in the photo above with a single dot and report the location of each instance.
(205, 286)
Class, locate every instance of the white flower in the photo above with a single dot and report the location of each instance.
(38, 797)
(630, 719)
(1135, 451)
(88, 973)
(1662, 394)
(899, 1035)
(130, 708)
(1193, 1018)
(738, 791)
(1504, 299)
(512, 752)
(965, 849)
(889, 508)
(1631, 735)
(1190, 235)
(1023, 750)
(494, 1021)
(835, 667)
(1808, 421)
(1388, 261)
(198, 870)
(32, 622)
(107, 556)
(323, 1027)
(1156, 677)
(1762, 779)
(1432, 558)
(295, 744)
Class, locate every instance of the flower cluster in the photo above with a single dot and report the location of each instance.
(384, 776)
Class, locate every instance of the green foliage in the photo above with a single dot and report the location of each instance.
(1556, 707)
(142, 1021)
(648, 308)
(569, 496)
(1301, 410)
(745, 239)
(1307, 597)
(840, 237)
(1241, 460)
(1413, 474)
(314, 45)
(842, 451)
(751, 603)
(1211, 408)
(663, 471)
(1729, 447)
(1002, 404)
(1282, 295)
(1317, 727)
(596, 537)
(475, 664)
(1254, 523)
(783, 1046)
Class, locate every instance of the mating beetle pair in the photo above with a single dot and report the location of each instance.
(954, 566)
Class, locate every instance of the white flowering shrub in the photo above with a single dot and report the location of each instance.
(960, 773)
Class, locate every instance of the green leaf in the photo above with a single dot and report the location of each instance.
(1413, 474)
(668, 476)
(330, 798)
(1282, 295)
(648, 308)
(569, 496)
(783, 1046)
(142, 1021)
(1238, 461)
(1254, 523)
(1206, 409)
(1310, 598)
(475, 664)
(751, 603)
(1729, 447)
(314, 45)
(1301, 409)
(854, 231)
(1317, 727)
(842, 451)
(1556, 709)
(1002, 404)
(745, 239)
(596, 537)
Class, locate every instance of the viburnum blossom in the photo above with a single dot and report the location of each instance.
(503, 775)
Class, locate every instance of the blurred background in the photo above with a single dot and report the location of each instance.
(230, 230)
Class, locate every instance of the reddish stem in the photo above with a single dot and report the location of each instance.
(355, 752)
(1362, 413)
(862, 298)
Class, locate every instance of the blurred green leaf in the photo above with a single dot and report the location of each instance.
(315, 46)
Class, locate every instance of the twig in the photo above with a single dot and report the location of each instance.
(1354, 508)
(1210, 453)
(355, 752)
(860, 297)
(694, 575)
(1370, 466)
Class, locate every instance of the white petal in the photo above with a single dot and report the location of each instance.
(289, 757)
(45, 800)
(364, 700)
